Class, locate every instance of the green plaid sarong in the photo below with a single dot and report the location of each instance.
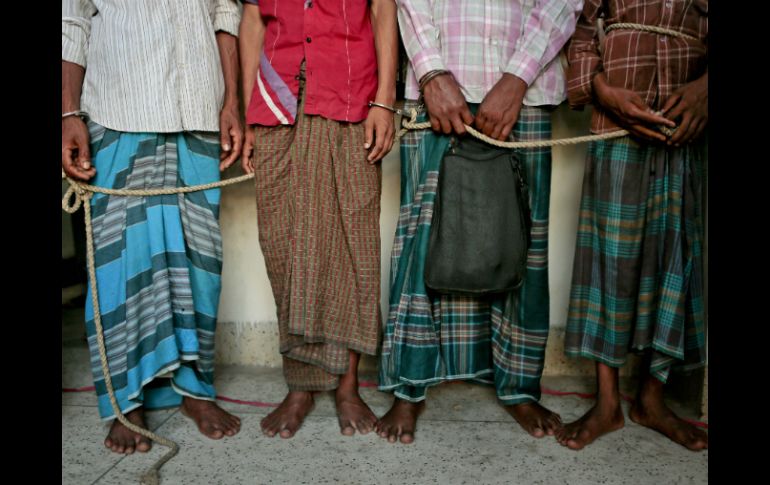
(431, 338)
(637, 279)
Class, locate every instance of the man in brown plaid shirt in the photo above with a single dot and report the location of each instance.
(637, 282)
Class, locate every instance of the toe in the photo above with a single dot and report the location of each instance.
(236, 423)
(267, 427)
(346, 428)
(552, 427)
(574, 445)
(143, 446)
(363, 426)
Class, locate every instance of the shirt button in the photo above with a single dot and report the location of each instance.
(308, 40)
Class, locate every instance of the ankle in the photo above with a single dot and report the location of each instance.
(346, 390)
(409, 405)
(608, 401)
(299, 395)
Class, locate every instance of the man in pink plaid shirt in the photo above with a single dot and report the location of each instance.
(492, 65)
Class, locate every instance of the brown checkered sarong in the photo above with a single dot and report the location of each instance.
(318, 209)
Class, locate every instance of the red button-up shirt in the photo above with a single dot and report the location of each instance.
(335, 38)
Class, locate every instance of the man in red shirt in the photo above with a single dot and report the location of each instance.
(314, 149)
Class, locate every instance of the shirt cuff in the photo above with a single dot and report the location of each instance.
(524, 66)
(227, 21)
(426, 61)
(580, 78)
(74, 39)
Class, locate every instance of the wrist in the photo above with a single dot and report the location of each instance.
(387, 97)
(69, 107)
(69, 101)
(82, 115)
(230, 102)
(431, 76)
(384, 106)
(514, 83)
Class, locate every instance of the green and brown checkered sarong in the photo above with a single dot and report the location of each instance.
(637, 279)
(431, 338)
(318, 209)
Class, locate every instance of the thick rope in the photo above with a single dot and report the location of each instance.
(651, 29)
(74, 196)
(411, 124)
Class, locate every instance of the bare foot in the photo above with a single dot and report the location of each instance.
(657, 416)
(122, 440)
(352, 412)
(603, 418)
(213, 421)
(288, 417)
(535, 419)
(400, 422)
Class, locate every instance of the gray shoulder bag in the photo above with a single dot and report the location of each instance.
(480, 231)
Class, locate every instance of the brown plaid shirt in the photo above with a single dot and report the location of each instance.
(652, 65)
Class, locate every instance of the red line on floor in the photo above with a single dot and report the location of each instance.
(258, 404)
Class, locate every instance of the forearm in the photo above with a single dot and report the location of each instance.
(71, 86)
(385, 27)
(251, 37)
(228, 53)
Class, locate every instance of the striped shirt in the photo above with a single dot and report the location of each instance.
(651, 65)
(151, 65)
(478, 41)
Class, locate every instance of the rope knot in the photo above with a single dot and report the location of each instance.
(73, 197)
(413, 114)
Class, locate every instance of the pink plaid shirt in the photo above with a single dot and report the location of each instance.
(480, 40)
